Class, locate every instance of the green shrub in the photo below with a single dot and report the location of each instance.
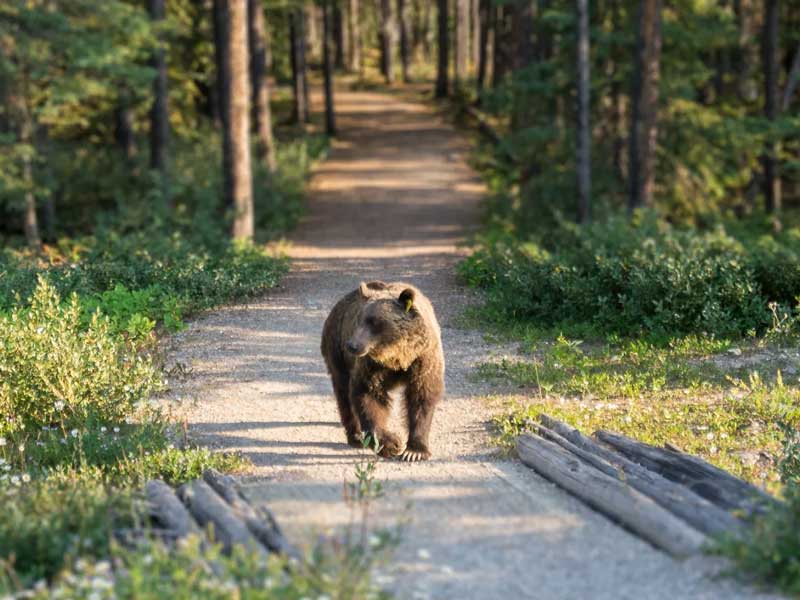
(56, 371)
(627, 279)
(49, 523)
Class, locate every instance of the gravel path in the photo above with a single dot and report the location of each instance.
(393, 202)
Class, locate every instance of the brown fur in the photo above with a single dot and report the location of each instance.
(379, 337)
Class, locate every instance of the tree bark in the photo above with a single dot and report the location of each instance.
(791, 81)
(338, 37)
(748, 50)
(354, 27)
(387, 39)
(220, 86)
(298, 67)
(123, 131)
(611, 496)
(236, 138)
(442, 76)
(263, 526)
(327, 67)
(475, 30)
(678, 499)
(484, 25)
(461, 41)
(715, 485)
(405, 42)
(262, 112)
(500, 59)
(644, 101)
(159, 114)
(772, 189)
(209, 509)
(584, 165)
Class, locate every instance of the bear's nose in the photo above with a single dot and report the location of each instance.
(352, 348)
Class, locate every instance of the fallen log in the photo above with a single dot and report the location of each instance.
(209, 509)
(261, 523)
(168, 510)
(679, 500)
(713, 484)
(638, 512)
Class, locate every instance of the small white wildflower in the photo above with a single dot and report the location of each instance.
(103, 429)
(39, 443)
(2, 441)
(59, 405)
(148, 559)
(374, 540)
(2, 461)
(116, 429)
(15, 479)
(709, 436)
(74, 433)
(22, 447)
(171, 446)
(423, 554)
(26, 478)
(40, 330)
(45, 428)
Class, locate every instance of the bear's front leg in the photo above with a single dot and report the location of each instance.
(372, 406)
(423, 392)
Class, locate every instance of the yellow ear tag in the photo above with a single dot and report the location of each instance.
(409, 304)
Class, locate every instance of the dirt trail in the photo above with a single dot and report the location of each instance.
(393, 202)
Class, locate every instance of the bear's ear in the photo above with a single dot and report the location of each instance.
(366, 289)
(407, 299)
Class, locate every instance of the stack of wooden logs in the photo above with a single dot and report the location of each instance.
(671, 499)
(215, 504)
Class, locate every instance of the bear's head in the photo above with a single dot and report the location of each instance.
(390, 327)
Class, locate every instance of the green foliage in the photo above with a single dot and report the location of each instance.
(47, 524)
(632, 278)
(53, 369)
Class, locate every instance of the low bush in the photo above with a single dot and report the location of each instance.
(645, 277)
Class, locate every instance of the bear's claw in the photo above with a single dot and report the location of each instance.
(409, 455)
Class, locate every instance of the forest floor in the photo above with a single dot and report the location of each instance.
(395, 201)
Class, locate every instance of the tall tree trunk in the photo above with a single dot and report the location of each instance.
(313, 40)
(236, 138)
(617, 119)
(475, 29)
(123, 130)
(644, 102)
(304, 19)
(484, 24)
(772, 184)
(500, 52)
(327, 67)
(748, 50)
(262, 113)
(584, 169)
(461, 41)
(791, 81)
(442, 38)
(219, 85)
(296, 35)
(338, 36)
(522, 56)
(544, 44)
(159, 115)
(387, 39)
(405, 42)
(354, 27)
(425, 29)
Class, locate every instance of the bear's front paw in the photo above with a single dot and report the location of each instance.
(415, 451)
(355, 439)
(389, 444)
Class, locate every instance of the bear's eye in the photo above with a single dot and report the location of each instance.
(372, 323)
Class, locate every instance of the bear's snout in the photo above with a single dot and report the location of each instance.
(355, 348)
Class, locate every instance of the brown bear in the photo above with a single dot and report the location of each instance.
(381, 337)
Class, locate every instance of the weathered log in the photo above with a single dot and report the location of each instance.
(209, 509)
(713, 484)
(260, 522)
(168, 509)
(680, 500)
(638, 512)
